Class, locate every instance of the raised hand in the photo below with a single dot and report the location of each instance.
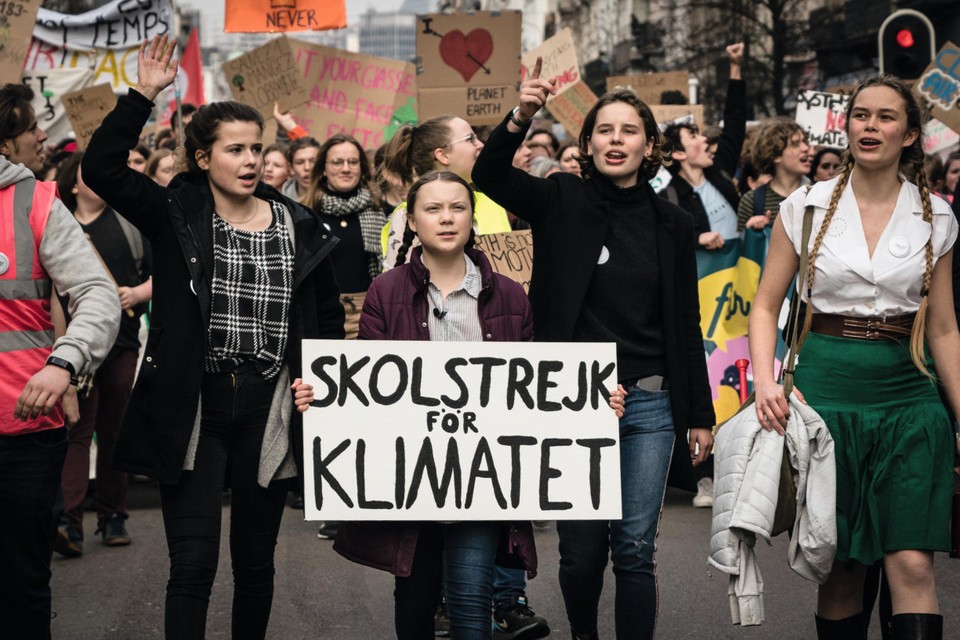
(156, 67)
(735, 53)
(534, 92)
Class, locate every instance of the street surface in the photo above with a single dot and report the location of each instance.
(118, 593)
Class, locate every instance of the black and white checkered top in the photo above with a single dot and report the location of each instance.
(251, 291)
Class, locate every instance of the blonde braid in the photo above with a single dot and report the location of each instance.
(917, 336)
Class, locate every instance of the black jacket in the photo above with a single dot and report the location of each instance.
(178, 221)
(725, 162)
(570, 221)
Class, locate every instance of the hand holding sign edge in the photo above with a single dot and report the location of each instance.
(155, 67)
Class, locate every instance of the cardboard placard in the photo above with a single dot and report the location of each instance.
(87, 108)
(266, 75)
(572, 107)
(664, 114)
(365, 96)
(267, 16)
(940, 86)
(49, 87)
(559, 54)
(510, 254)
(938, 136)
(650, 86)
(16, 28)
(823, 116)
(403, 430)
(105, 39)
(468, 65)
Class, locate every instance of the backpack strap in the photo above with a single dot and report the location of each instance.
(760, 200)
(134, 239)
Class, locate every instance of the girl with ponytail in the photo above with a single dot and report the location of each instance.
(445, 143)
(879, 295)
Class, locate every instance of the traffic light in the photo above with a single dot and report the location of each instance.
(906, 43)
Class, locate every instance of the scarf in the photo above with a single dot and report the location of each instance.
(372, 220)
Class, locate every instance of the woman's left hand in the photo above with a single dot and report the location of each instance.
(302, 394)
(616, 400)
(701, 444)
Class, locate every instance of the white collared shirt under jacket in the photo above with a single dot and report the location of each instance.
(848, 280)
(747, 462)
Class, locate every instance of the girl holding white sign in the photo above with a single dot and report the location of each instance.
(447, 292)
(615, 263)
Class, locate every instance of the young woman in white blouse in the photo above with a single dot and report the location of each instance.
(879, 286)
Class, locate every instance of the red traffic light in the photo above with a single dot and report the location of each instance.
(905, 38)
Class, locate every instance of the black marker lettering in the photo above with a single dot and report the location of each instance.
(515, 442)
(547, 473)
(595, 445)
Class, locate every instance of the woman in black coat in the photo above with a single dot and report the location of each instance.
(241, 275)
(615, 263)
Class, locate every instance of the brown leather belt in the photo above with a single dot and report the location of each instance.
(872, 328)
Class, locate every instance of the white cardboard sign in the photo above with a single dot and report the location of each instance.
(405, 430)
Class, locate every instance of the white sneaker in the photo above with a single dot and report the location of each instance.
(704, 497)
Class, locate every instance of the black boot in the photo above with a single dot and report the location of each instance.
(852, 628)
(584, 636)
(917, 626)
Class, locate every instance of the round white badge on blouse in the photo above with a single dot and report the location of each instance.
(604, 256)
(4, 263)
(899, 247)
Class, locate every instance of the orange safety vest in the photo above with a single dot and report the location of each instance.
(26, 329)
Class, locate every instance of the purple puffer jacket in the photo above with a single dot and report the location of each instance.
(396, 308)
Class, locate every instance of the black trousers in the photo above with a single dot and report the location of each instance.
(234, 412)
(30, 467)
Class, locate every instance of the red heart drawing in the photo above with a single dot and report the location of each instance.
(466, 53)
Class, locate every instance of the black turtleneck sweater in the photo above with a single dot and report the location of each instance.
(350, 261)
(622, 303)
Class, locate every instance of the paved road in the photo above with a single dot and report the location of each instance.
(118, 593)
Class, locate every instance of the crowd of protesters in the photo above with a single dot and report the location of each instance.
(325, 239)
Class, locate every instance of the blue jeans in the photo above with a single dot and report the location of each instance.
(508, 585)
(30, 467)
(646, 446)
(460, 554)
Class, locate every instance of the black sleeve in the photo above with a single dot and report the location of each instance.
(527, 197)
(734, 127)
(330, 313)
(701, 399)
(131, 194)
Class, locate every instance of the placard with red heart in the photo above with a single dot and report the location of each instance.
(466, 53)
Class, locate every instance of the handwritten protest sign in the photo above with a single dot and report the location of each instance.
(667, 113)
(510, 254)
(573, 98)
(266, 75)
(572, 107)
(87, 108)
(823, 117)
(49, 87)
(938, 136)
(16, 25)
(365, 96)
(940, 86)
(649, 87)
(262, 16)
(460, 431)
(105, 40)
(468, 65)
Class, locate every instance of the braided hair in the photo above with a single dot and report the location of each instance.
(911, 161)
(408, 233)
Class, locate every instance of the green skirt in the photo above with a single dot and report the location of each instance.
(893, 443)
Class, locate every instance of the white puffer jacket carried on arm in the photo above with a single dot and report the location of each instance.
(747, 463)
